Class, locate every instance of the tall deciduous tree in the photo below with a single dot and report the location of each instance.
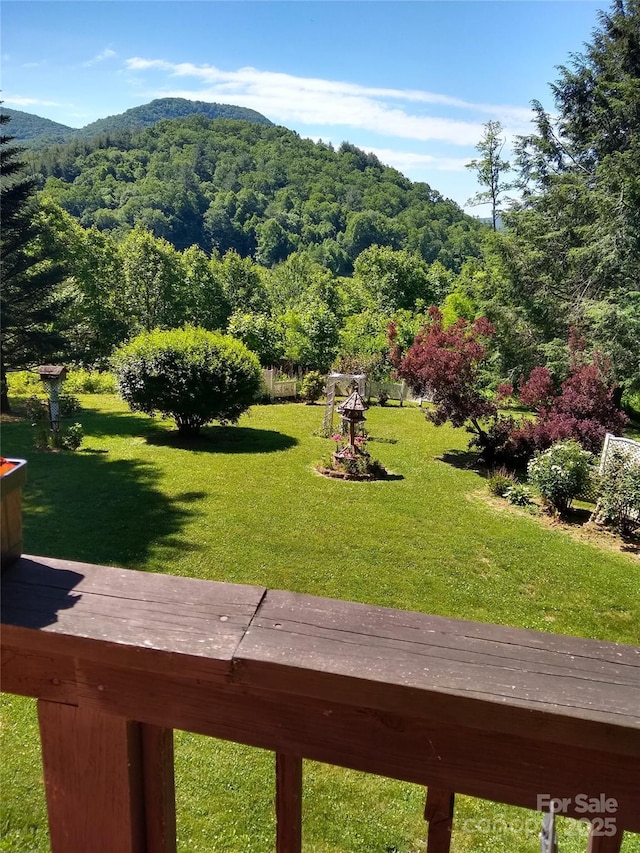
(242, 283)
(206, 304)
(491, 169)
(30, 301)
(393, 279)
(154, 281)
(97, 316)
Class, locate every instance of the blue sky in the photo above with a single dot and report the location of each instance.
(412, 81)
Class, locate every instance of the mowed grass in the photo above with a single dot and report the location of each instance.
(244, 504)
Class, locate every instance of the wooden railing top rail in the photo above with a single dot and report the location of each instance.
(494, 712)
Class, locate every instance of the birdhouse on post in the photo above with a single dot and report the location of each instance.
(352, 410)
(53, 375)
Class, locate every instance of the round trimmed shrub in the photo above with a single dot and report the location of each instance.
(312, 387)
(561, 473)
(190, 374)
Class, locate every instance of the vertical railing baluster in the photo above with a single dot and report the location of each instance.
(288, 803)
(438, 813)
(604, 843)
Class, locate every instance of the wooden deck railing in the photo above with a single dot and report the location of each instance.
(117, 659)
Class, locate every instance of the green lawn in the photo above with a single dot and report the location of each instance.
(244, 504)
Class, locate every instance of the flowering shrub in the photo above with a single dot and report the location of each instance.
(619, 493)
(70, 437)
(353, 461)
(560, 473)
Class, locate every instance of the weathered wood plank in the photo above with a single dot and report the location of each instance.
(438, 813)
(158, 789)
(149, 622)
(40, 675)
(481, 710)
(96, 602)
(337, 614)
(295, 644)
(288, 803)
(509, 768)
(93, 780)
(127, 583)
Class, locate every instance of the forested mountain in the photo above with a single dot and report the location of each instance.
(258, 189)
(37, 132)
(162, 108)
(32, 129)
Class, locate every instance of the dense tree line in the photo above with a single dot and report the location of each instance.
(571, 253)
(36, 132)
(297, 314)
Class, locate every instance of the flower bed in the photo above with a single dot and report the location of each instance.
(352, 462)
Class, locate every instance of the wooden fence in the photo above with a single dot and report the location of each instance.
(277, 389)
(118, 659)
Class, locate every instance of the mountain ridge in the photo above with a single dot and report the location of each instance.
(34, 131)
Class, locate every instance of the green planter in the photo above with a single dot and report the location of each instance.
(13, 475)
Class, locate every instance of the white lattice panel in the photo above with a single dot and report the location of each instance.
(615, 442)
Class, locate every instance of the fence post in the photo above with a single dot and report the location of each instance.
(98, 799)
(159, 788)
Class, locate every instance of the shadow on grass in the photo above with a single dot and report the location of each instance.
(212, 439)
(82, 506)
(466, 460)
(231, 439)
(98, 423)
(85, 506)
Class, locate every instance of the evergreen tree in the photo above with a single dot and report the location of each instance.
(580, 170)
(31, 274)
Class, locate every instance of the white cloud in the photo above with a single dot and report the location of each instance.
(107, 53)
(408, 161)
(314, 101)
(21, 101)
